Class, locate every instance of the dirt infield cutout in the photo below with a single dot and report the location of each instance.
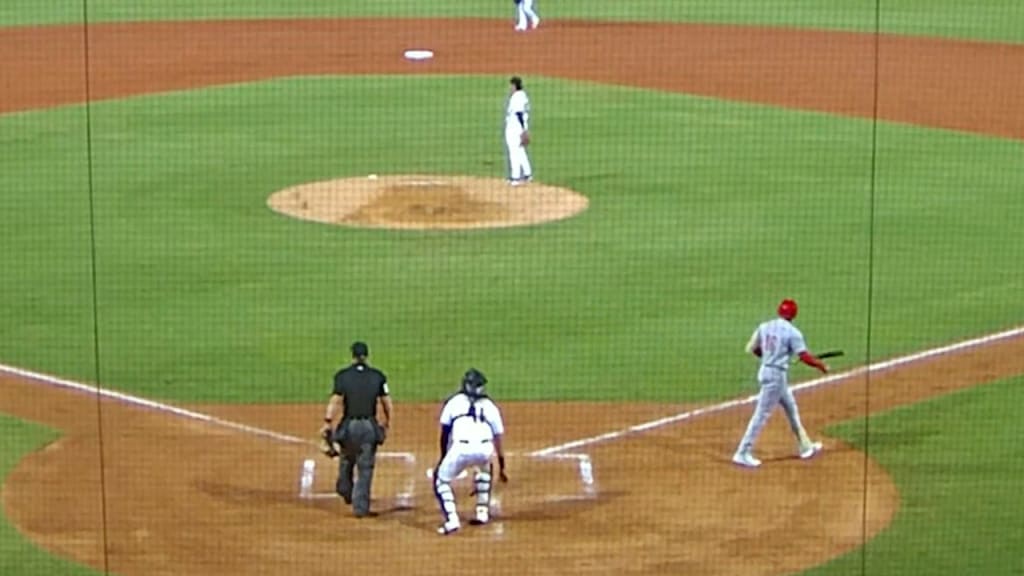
(427, 202)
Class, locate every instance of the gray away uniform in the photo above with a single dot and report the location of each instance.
(780, 342)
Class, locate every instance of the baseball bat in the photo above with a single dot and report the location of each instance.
(830, 354)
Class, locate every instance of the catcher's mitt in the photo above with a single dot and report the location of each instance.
(327, 445)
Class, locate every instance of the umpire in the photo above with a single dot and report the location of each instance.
(359, 432)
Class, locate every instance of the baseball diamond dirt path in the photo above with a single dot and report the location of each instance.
(185, 497)
(970, 86)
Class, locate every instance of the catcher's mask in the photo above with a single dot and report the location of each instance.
(787, 309)
(473, 382)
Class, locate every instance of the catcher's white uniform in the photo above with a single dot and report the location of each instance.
(474, 422)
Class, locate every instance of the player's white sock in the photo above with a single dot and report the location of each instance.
(483, 495)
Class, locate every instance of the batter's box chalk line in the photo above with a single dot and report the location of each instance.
(404, 499)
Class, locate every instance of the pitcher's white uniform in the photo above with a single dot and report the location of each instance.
(777, 342)
(474, 425)
(517, 122)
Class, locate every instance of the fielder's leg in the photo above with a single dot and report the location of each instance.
(521, 169)
(520, 16)
(807, 447)
(512, 145)
(524, 163)
(531, 13)
(482, 487)
(766, 401)
(446, 472)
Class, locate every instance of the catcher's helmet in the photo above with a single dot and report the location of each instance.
(473, 382)
(787, 309)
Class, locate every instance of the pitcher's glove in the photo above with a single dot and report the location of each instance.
(327, 445)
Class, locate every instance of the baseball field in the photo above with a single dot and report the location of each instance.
(203, 203)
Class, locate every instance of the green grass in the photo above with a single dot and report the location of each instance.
(18, 555)
(958, 466)
(44, 212)
(982, 19)
(703, 214)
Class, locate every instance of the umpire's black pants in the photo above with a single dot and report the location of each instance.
(359, 438)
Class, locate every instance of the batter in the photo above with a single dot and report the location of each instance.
(776, 342)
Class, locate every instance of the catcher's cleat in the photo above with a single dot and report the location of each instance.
(483, 516)
(448, 528)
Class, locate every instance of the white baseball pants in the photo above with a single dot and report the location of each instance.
(462, 455)
(526, 15)
(518, 160)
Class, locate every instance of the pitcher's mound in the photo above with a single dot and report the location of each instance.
(427, 202)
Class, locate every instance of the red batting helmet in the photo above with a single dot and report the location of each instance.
(787, 309)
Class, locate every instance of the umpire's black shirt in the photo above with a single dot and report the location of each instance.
(360, 385)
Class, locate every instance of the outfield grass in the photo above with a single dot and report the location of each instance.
(703, 215)
(983, 19)
(958, 466)
(18, 555)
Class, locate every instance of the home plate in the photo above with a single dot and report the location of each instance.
(419, 54)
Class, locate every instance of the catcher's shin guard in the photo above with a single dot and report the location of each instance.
(482, 487)
(446, 500)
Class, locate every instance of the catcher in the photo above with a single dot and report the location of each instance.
(471, 435)
(358, 387)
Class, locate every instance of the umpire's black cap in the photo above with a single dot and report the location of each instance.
(360, 350)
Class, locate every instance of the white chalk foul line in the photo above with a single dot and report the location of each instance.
(168, 409)
(688, 415)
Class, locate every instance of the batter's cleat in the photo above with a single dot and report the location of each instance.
(810, 451)
(448, 528)
(746, 460)
(536, 23)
